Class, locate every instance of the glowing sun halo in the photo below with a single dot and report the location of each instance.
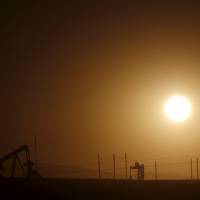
(177, 108)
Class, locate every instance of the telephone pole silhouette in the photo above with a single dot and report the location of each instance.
(99, 166)
(35, 152)
(197, 168)
(156, 170)
(113, 166)
(191, 169)
(126, 167)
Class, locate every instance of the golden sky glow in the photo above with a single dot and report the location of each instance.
(89, 78)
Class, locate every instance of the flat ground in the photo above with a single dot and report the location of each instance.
(98, 189)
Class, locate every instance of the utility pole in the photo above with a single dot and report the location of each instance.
(197, 168)
(156, 170)
(191, 168)
(126, 175)
(113, 166)
(99, 166)
(35, 152)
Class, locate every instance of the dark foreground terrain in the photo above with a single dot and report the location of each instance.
(98, 189)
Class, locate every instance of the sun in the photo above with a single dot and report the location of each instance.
(178, 108)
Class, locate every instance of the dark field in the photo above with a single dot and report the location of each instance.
(98, 189)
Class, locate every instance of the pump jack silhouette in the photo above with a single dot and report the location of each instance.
(140, 170)
(27, 167)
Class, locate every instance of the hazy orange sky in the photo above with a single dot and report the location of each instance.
(93, 77)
